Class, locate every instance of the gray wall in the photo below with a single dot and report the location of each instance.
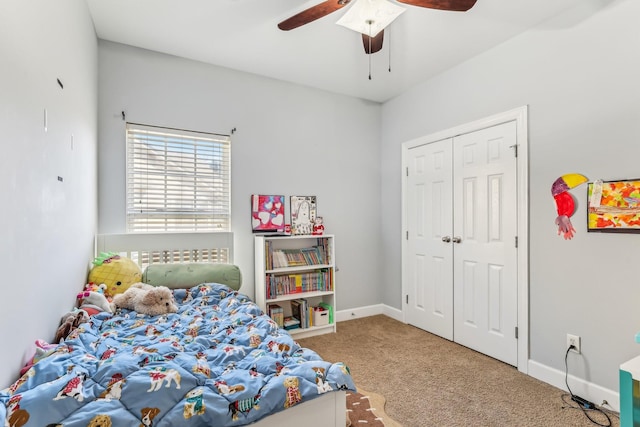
(47, 226)
(579, 75)
(290, 140)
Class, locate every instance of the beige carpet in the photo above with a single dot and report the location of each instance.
(429, 381)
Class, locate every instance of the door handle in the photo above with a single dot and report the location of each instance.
(457, 239)
(446, 239)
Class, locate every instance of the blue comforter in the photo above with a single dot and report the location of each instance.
(218, 361)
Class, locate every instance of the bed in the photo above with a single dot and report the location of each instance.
(217, 361)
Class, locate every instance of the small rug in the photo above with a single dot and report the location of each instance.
(367, 408)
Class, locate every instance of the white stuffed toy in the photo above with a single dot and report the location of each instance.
(147, 299)
(94, 302)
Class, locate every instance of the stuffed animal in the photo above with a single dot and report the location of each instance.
(70, 321)
(43, 349)
(115, 271)
(93, 287)
(94, 302)
(147, 299)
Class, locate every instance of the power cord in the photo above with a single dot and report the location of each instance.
(587, 407)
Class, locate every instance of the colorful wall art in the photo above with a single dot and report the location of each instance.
(267, 213)
(565, 205)
(614, 206)
(303, 214)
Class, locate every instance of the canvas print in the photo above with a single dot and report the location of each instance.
(614, 206)
(267, 213)
(303, 214)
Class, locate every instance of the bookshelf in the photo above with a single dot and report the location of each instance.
(295, 278)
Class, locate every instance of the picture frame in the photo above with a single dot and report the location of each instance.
(303, 214)
(613, 206)
(267, 213)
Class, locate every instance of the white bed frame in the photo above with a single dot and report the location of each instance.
(148, 248)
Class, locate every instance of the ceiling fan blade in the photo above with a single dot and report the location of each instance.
(376, 43)
(314, 12)
(453, 5)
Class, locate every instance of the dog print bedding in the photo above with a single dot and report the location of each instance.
(218, 361)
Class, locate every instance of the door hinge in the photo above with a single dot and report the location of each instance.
(516, 332)
(515, 149)
(407, 235)
(516, 242)
(407, 298)
(407, 169)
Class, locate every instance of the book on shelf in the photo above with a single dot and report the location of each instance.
(283, 258)
(300, 310)
(278, 259)
(291, 322)
(296, 311)
(276, 312)
(285, 284)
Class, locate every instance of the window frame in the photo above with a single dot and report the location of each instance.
(176, 180)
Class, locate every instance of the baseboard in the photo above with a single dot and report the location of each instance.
(370, 310)
(592, 392)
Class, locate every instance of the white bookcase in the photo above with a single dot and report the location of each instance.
(290, 268)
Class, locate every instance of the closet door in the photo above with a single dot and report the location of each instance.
(460, 267)
(484, 232)
(428, 265)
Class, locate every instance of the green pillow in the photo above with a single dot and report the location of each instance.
(186, 275)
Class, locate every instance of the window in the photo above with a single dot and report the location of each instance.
(177, 180)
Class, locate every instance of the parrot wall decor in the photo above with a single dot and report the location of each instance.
(564, 201)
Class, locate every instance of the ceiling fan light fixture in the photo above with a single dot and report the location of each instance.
(370, 16)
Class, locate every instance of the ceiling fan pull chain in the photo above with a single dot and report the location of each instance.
(389, 43)
(370, 54)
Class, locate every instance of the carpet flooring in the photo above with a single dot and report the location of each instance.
(429, 381)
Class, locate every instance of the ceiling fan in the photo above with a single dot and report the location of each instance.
(373, 38)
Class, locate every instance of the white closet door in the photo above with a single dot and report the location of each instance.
(428, 266)
(485, 253)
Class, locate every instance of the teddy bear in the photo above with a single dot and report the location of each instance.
(147, 299)
(318, 226)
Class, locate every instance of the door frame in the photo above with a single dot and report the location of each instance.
(519, 115)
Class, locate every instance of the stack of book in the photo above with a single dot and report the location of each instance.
(291, 322)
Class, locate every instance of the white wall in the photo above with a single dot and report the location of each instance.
(579, 75)
(290, 140)
(46, 225)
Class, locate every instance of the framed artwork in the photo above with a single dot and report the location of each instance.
(614, 206)
(303, 214)
(267, 213)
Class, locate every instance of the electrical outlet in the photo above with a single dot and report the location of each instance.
(574, 340)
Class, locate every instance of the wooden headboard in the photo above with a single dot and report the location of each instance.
(153, 248)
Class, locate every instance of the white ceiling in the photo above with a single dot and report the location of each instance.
(243, 35)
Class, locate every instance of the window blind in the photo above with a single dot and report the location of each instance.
(177, 180)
